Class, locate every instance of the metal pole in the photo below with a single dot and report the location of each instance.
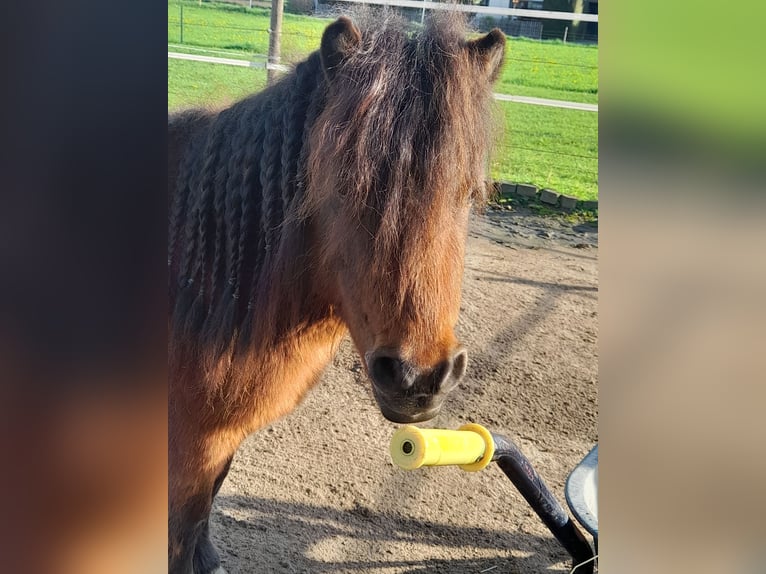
(517, 467)
(275, 39)
(566, 30)
(182, 23)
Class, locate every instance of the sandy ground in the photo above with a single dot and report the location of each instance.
(317, 492)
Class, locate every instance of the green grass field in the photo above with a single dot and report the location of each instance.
(549, 147)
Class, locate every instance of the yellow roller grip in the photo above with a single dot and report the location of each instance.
(471, 447)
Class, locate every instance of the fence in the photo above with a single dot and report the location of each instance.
(255, 46)
(566, 151)
(514, 22)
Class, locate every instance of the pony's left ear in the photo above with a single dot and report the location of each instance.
(489, 52)
(339, 41)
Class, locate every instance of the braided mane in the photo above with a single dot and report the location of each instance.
(400, 117)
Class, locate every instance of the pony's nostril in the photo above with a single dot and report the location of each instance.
(440, 374)
(385, 371)
(459, 364)
(392, 373)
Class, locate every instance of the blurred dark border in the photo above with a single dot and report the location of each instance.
(82, 174)
(682, 159)
(83, 108)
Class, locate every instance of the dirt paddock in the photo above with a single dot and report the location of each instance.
(317, 492)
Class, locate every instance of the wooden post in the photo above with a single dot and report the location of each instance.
(577, 7)
(275, 39)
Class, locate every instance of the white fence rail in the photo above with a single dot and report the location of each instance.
(502, 97)
(522, 12)
(546, 102)
(227, 61)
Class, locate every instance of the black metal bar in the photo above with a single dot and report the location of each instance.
(525, 478)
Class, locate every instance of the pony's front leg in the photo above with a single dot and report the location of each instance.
(191, 492)
(205, 433)
(206, 558)
(186, 521)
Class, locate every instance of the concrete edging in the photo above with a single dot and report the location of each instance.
(550, 197)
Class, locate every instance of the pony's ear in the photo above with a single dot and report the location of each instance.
(339, 41)
(489, 52)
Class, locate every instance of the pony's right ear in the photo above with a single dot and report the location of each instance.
(339, 41)
(489, 52)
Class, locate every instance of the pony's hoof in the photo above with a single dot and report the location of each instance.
(219, 570)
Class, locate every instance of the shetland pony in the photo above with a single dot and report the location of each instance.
(334, 201)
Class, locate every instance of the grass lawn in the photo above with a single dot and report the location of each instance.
(238, 28)
(550, 69)
(202, 84)
(549, 147)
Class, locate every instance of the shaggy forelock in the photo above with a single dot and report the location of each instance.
(404, 141)
(406, 115)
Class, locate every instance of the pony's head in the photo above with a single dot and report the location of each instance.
(397, 158)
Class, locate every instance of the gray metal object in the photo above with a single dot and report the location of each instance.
(581, 492)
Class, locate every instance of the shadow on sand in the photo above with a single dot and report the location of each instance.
(263, 535)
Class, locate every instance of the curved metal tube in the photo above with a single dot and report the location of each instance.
(524, 477)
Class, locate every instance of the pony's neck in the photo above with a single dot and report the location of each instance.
(300, 294)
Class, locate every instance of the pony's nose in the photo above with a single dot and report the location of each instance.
(390, 372)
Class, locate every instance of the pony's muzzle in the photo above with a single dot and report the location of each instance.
(407, 393)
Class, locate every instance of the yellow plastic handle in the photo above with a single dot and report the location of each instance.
(471, 447)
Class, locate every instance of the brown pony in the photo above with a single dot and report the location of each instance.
(335, 200)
